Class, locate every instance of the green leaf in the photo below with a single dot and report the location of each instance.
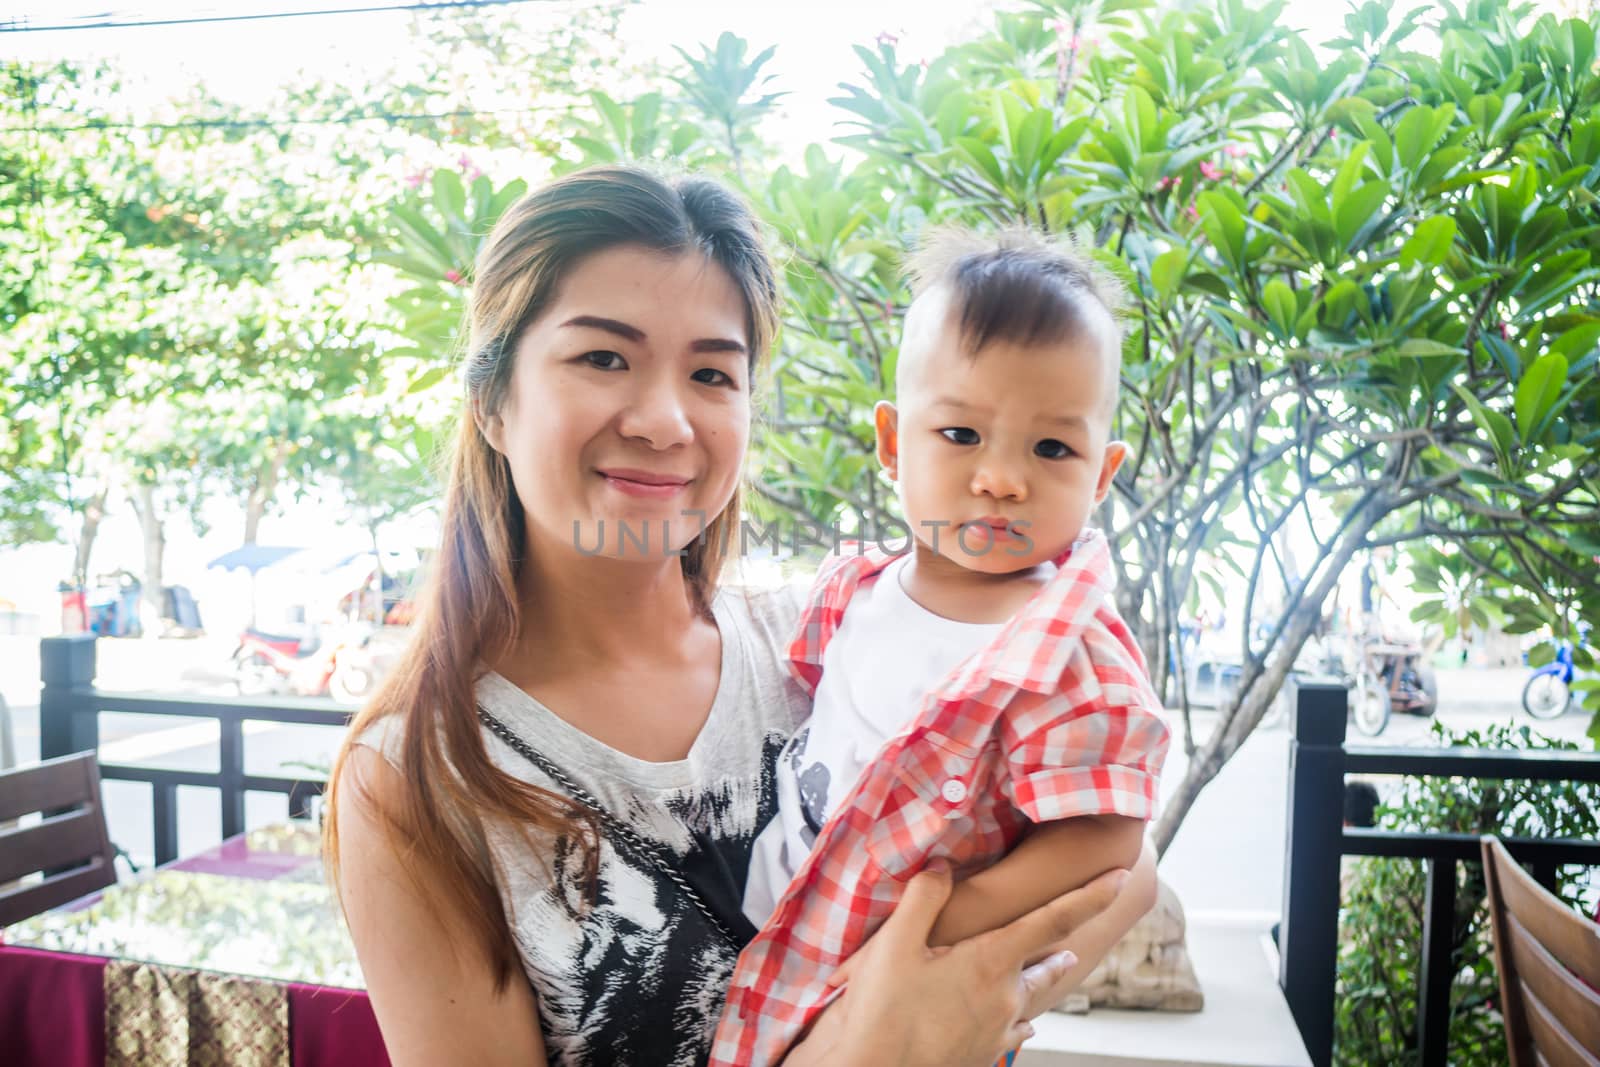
(1224, 225)
(1496, 425)
(1349, 171)
(427, 379)
(1539, 390)
(1281, 307)
(1430, 244)
(1350, 216)
(1577, 342)
(1426, 347)
(449, 195)
(1166, 272)
(979, 155)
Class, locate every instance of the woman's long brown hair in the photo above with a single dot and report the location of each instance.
(469, 613)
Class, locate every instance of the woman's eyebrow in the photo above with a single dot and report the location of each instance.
(595, 322)
(718, 344)
(634, 334)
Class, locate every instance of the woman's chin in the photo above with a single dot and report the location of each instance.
(637, 533)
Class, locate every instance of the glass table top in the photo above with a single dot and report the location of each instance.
(256, 905)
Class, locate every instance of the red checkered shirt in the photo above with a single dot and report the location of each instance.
(1053, 719)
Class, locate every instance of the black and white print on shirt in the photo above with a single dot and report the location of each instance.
(813, 787)
(638, 976)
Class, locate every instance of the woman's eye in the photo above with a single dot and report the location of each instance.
(960, 435)
(713, 376)
(1050, 448)
(605, 360)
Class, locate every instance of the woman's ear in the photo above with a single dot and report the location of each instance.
(887, 422)
(492, 427)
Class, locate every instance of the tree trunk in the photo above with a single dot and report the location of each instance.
(1263, 677)
(155, 545)
(93, 513)
(266, 485)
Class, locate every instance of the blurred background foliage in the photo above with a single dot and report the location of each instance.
(1364, 286)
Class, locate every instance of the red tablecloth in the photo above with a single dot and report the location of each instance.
(53, 1006)
(264, 884)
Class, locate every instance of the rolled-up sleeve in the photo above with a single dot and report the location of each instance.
(1093, 747)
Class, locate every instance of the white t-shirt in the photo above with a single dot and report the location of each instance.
(887, 653)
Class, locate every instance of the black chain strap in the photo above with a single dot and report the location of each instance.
(613, 824)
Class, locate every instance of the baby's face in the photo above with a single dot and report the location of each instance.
(1016, 438)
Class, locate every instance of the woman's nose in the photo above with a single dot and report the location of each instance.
(658, 416)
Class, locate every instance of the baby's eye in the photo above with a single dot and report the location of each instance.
(604, 360)
(1050, 448)
(713, 376)
(960, 435)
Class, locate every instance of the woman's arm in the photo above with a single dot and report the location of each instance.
(431, 988)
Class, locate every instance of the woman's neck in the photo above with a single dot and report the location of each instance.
(600, 612)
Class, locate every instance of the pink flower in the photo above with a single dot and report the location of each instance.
(1167, 183)
(1209, 170)
(1061, 25)
(886, 39)
(1194, 213)
(453, 277)
(418, 180)
(1237, 151)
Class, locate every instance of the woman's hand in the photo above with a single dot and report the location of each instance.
(961, 1006)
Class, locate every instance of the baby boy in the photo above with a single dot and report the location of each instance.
(977, 698)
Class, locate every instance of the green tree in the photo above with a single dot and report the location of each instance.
(1365, 304)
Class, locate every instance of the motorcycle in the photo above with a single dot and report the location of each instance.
(310, 666)
(1548, 693)
(1390, 677)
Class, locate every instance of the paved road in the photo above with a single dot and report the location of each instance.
(1228, 855)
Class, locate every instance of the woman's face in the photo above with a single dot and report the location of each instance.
(628, 411)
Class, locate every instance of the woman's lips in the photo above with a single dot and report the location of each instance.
(650, 485)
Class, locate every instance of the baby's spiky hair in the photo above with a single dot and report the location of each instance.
(1014, 285)
(1021, 287)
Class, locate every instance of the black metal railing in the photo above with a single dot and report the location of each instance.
(1318, 764)
(69, 721)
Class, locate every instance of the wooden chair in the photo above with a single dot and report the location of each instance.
(70, 845)
(1548, 957)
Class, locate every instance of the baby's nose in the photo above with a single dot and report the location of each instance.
(1003, 481)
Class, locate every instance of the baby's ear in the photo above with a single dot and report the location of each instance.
(887, 422)
(1116, 452)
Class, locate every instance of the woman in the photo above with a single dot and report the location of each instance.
(617, 326)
